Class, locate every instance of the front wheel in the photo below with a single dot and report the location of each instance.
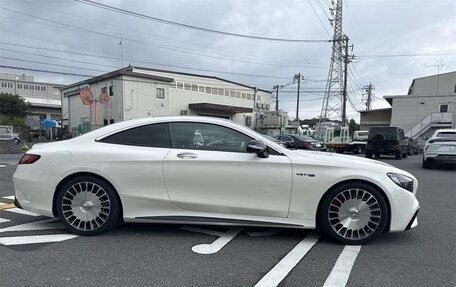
(87, 205)
(353, 213)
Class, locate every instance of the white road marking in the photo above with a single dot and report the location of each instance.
(341, 270)
(4, 220)
(47, 224)
(268, 232)
(217, 245)
(281, 270)
(2, 165)
(20, 240)
(21, 211)
(9, 197)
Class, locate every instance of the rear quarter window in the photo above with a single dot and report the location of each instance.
(154, 135)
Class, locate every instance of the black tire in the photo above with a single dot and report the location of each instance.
(16, 141)
(398, 154)
(427, 164)
(341, 195)
(102, 208)
(357, 149)
(368, 154)
(377, 155)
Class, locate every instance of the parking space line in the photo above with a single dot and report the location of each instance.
(2, 220)
(20, 240)
(47, 224)
(9, 197)
(281, 269)
(21, 211)
(344, 264)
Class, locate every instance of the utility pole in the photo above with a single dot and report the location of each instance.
(344, 91)
(368, 89)
(121, 55)
(276, 87)
(298, 78)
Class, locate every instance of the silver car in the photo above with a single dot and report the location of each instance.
(440, 148)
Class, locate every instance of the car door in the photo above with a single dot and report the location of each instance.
(209, 170)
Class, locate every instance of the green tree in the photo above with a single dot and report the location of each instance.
(13, 105)
(13, 109)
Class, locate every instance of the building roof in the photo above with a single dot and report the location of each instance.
(442, 74)
(376, 110)
(44, 102)
(128, 71)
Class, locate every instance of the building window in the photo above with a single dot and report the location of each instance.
(249, 96)
(32, 87)
(43, 88)
(220, 92)
(248, 121)
(214, 91)
(455, 89)
(111, 90)
(160, 93)
(208, 90)
(227, 93)
(10, 85)
(243, 95)
(25, 87)
(232, 94)
(111, 121)
(201, 89)
(104, 90)
(444, 108)
(187, 86)
(19, 86)
(267, 106)
(3, 85)
(238, 94)
(37, 88)
(180, 85)
(258, 98)
(194, 88)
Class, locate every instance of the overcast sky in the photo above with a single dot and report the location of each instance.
(394, 42)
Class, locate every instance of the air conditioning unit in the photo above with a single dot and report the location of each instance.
(184, 112)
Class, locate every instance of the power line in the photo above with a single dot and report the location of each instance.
(130, 60)
(123, 27)
(319, 19)
(171, 48)
(187, 26)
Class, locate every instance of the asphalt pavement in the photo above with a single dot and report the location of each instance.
(167, 255)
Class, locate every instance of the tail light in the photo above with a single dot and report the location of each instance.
(29, 158)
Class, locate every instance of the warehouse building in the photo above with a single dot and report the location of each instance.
(429, 105)
(44, 98)
(136, 92)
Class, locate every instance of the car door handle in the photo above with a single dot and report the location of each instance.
(187, 155)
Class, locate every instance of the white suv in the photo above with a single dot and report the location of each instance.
(441, 147)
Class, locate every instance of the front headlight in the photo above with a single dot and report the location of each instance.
(401, 180)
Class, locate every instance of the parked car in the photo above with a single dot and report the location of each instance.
(7, 134)
(412, 146)
(155, 170)
(440, 148)
(275, 140)
(386, 140)
(301, 142)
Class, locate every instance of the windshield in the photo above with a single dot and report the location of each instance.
(448, 134)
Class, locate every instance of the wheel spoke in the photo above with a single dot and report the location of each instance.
(354, 214)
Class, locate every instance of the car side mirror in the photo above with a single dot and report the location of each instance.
(258, 147)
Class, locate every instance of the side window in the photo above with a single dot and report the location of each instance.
(286, 139)
(154, 135)
(203, 136)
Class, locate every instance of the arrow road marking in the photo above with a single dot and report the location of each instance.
(281, 270)
(217, 245)
(344, 264)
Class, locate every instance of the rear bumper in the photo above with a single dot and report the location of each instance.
(441, 158)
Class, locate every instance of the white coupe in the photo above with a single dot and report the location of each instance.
(204, 170)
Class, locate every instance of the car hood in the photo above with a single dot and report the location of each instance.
(334, 159)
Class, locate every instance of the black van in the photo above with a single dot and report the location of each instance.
(386, 140)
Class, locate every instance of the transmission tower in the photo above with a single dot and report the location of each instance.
(334, 93)
(369, 93)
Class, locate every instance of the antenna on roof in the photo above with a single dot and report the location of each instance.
(121, 56)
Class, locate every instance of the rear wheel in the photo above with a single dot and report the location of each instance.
(87, 205)
(368, 154)
(427, 164)
(353, 213)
